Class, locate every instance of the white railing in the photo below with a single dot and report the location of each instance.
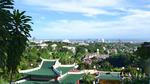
(81, 72)
(67, 65)
(61, 76)
(28, 70)
(20, 81)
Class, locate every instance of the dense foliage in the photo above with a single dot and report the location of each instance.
(14, 33)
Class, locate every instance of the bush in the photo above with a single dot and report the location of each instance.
(2, 81)
(136, 81)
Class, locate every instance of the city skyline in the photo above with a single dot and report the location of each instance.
(83, 19)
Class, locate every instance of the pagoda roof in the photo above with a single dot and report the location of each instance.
(34, 82)
(45, 69)
(49, 68)
(48, 64)
(38, 82)
(109, 76)
(63, 69)
(70, 79)
(43, 72)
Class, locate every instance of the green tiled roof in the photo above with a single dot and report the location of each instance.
(45, 70)
(64, 69)
(33, 82)
(109, 76)
(38, 82)
(70, 79)
(47, 64)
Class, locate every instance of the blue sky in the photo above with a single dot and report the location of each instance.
(83, 19)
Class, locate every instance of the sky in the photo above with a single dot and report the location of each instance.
(88, 19)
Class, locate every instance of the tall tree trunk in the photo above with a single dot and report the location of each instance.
(149, 77)
(11, 75)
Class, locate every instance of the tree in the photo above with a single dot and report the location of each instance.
(144, 50)
(136, 81)
(88, 78)
(80, 53)
(105, 65)
(144, 53)
(19, 33)
(65, 56)
(120, 60)
(5, 6)
(29, 57)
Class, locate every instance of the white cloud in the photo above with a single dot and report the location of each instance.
(86, 7)
(137, 18)
(135, 25)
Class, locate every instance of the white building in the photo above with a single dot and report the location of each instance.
(73, 49)
(54, 46)
(43, 45)
(66, 41)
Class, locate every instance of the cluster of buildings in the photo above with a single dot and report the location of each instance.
(86, 41)
(53, 72)
(88, 58)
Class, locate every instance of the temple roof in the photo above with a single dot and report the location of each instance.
(70, 79)
(64, 70)
(39, 82)
(47, 64)
(45, 70)
(34, 82)
(49, 68)
(109, 76)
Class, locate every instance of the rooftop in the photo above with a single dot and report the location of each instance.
(70, 78)
(48, 68)
(38, 82)
(109, 76)
(44, 70)
(64, 70)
